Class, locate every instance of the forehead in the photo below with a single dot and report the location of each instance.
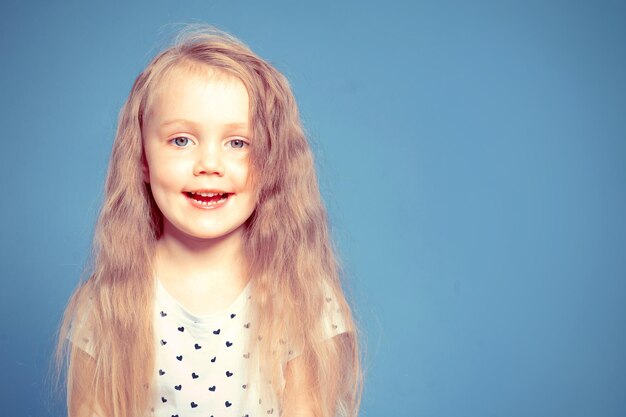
(198, 91)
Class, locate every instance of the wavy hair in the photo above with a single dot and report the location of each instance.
(287, 245)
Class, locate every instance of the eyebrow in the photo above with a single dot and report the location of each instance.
(177, 121)
(234, 125)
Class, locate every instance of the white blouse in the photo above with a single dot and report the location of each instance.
(201, 362)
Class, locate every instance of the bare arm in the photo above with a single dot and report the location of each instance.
(301, 397)
(298, 399)
(82, 400)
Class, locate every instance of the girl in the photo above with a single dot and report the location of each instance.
(214, 289)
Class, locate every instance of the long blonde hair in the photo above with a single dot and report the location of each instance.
(286, 242)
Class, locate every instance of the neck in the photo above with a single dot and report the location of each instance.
(216, 264)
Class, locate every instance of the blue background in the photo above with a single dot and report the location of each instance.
(472, 156)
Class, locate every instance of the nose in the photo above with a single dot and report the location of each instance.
(208, 161)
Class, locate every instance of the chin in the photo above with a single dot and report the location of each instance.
(214, 234)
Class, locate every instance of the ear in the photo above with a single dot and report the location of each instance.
(145, 170)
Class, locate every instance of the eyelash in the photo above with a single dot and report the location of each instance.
(179, 137)
(243, 142)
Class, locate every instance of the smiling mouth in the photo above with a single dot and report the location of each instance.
(208, 199)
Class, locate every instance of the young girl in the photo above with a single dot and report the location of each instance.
(214, 289)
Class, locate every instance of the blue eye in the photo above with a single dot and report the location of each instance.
(180, 141)
(237, 143)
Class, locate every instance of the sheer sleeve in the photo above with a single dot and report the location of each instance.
(332, 321)
(81, 334)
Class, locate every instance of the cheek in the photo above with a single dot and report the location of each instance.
(167, 174)
(239, 174)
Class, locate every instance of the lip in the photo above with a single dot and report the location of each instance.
(207, 190)
(213, 206)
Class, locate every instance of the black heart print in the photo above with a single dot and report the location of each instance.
(181, 329)
(212, 388)
(232, 316)
(163, 342)
(214, 358)
(228, 403)
(228, 344)
(194, 375)
(178, 387)
(193, 405)
(161, 372)
(197, 346)
(163, 399)
(163, 314)
(216, 331)
(229, 374)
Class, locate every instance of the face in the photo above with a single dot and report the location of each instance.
(196, 143)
